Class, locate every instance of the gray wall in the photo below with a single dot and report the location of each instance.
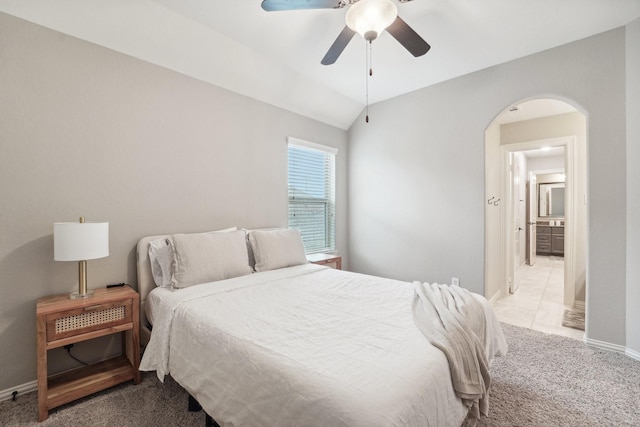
(88, 131)
(633, 192)
(416, 172)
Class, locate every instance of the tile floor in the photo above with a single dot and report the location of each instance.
(538, 302)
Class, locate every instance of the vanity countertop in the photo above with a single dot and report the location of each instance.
(551, 222)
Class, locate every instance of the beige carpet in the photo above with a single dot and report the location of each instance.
(549, 380)
(545, 380)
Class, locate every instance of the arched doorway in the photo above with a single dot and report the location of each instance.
(526, 290)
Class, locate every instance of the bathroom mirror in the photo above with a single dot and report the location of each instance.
(551, 200)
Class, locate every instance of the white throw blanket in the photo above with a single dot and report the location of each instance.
(454, 322)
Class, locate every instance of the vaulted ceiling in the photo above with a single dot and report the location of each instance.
(275, 56)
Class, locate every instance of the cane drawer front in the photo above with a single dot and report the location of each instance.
(88, 319)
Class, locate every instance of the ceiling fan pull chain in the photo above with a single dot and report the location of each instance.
(370, 73)
(370, 59)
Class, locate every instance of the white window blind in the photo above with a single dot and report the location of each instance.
(312, 194)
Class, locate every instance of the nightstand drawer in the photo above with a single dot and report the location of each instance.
(88, 319)
(330, 260)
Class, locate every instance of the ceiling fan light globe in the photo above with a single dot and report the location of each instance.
(371, 16)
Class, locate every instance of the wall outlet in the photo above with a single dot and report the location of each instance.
(455, 281)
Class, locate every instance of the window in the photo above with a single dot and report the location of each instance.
(312, 194)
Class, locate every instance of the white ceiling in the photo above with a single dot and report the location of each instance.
(275, 56)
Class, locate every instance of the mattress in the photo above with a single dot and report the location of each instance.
(306, 345)
(153, 300)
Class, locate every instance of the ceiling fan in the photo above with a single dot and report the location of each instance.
(369, 18)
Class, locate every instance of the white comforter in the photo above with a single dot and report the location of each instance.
(307, 346)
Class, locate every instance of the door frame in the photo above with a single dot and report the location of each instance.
(532, 200)
(507, 241)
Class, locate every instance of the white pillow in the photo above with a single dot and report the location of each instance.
(277, 248)
(252, 259)
(208, 257)
(161, 259)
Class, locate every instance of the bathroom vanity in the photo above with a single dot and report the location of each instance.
(550, 238)
(550, 222)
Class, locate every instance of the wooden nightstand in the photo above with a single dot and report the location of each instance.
(61, 321)
(330, 260)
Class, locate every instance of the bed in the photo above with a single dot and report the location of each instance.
(291, 343)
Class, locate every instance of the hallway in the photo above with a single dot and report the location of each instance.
(538, 302)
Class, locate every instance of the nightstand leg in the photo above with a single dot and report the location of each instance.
(43, 406)
(134, 343)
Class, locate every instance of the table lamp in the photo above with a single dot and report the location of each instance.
(80, 241)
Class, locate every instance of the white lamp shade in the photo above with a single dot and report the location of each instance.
(75, 241)
(368, 16)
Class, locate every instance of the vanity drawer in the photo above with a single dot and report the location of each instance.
(544, 238)
(543, 230)
(543, 248)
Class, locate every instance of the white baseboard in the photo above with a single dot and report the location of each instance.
(633, 354)
(579, 305)
(606, 345)
(21, 389)
(495, 297)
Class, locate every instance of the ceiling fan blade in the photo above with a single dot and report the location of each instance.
(277, 5)
(408, 38)
(338, 46)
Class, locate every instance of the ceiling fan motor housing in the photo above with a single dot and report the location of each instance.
(369, 18)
